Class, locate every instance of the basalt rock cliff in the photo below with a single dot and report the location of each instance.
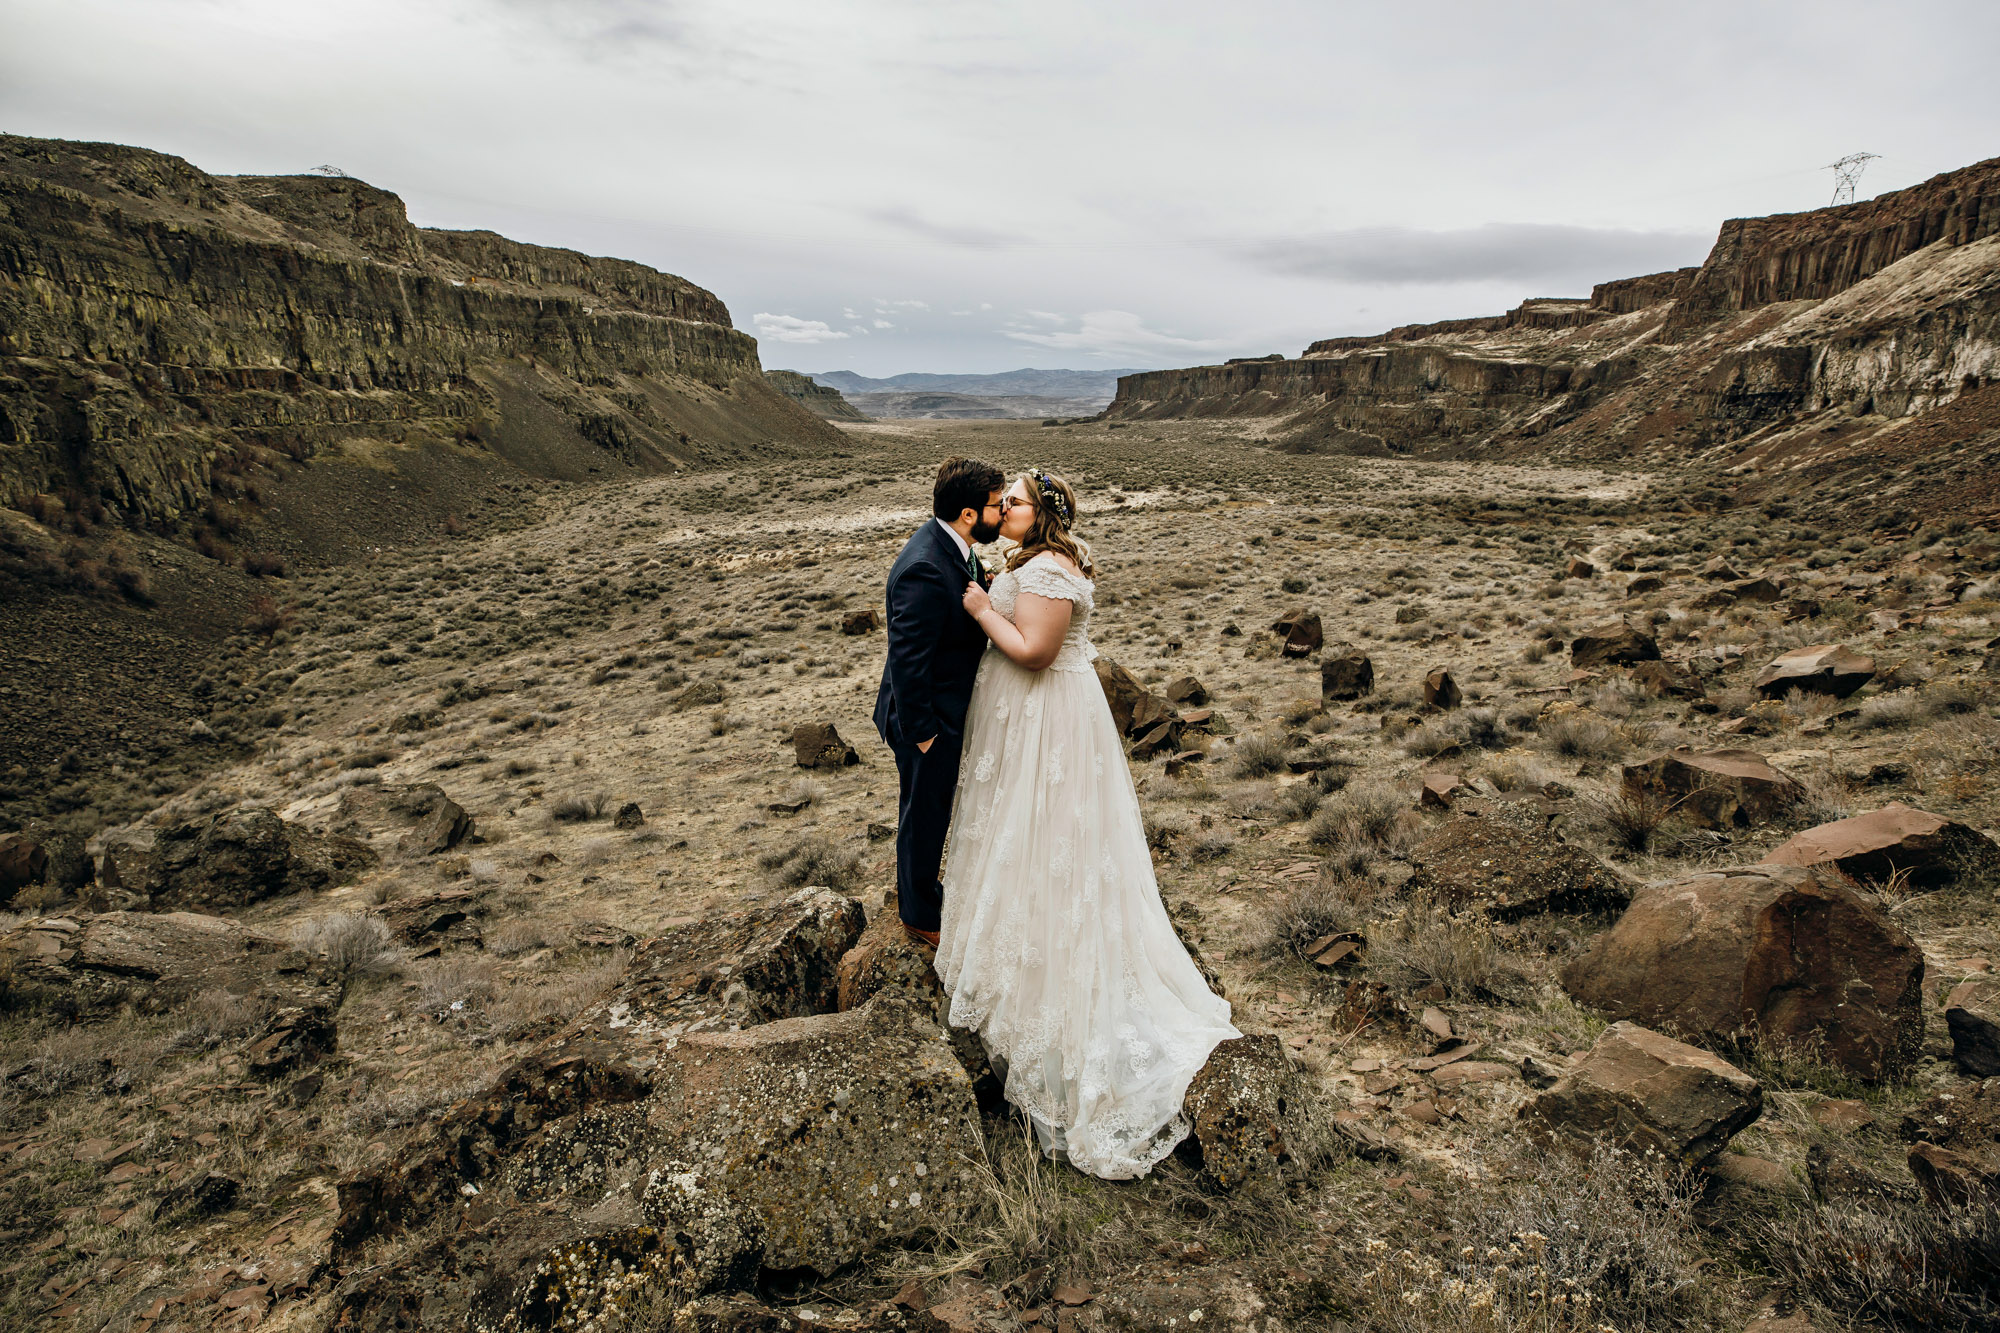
(819, 399)
(165, 334)
(1852, 353)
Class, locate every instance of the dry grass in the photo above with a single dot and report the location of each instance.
(353, 943)
(1906, 1265)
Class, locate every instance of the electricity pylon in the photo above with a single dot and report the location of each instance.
(1846, 173)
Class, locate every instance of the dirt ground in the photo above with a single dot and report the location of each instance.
(655, 642)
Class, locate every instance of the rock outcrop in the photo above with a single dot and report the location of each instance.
(1714, 789)
(96, 965)
(1508, 870)
(243, 855)
(822, 400)
(711, 1119)
(1796, 955)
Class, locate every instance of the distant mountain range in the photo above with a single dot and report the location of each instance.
(1098, 385)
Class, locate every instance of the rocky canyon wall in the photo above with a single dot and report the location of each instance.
(1812, 338)
(156, 321)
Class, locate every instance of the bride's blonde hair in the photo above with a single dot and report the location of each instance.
(1055, 515)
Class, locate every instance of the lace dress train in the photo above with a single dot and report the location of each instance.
(1055, 945)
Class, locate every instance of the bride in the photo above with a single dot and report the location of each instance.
(1054, 944)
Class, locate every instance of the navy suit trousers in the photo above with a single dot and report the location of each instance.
(928, 780)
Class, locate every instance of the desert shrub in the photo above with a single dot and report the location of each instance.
(1258, 756)
(352, 943)
(1629, 819)
(211, 1017)
(1164, 828)
(1369, 813)
(1907, 1264)
(1554, 1242)
(516, 937)
(576, 808)
(1299, 801)
(1324, 906)
(816, 860)
(1888, 712)
(1212, 845)
(1583, 738)
(1426, 943)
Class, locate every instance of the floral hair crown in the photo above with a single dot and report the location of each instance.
(1053, 494)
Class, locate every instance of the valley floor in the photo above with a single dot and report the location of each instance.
(655, 642)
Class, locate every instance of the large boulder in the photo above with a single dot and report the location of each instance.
(1619, 643)
(1797, 954)
(244, 855)
(1972, 1014)
(23, 862)
(888, 960)
(1123, 691)
(1824, 668)
(1302, 633)
(1243, 1109)
(1715, 789)
(1345, 672)
(1644, 1090)
(97, 965)
(1927, 849)
(1510, 867)
(434, 822)
(631, 1157)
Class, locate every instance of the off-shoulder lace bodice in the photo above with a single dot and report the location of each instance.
(1044, 577)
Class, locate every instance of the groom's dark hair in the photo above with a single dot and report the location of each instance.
(964, 483)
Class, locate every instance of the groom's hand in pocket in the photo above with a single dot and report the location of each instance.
(924, 747)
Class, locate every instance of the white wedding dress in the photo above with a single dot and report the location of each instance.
(1055, 945)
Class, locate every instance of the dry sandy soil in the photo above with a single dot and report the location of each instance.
(656, 642)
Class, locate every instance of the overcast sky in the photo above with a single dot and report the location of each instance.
(887, 186)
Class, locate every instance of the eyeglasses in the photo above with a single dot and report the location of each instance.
(1009, 501)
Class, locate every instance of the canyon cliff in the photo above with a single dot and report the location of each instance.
(1852, 351)
(821, 400)
(164, 331)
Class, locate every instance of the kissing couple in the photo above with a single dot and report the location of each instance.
(1049, 932)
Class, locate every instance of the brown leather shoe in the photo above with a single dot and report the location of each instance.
(929, 937)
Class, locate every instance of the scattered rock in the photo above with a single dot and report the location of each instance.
(1162, 738)
(1667, 680)
(1643, 1090)
(1742, 590)
(431, 922)
(442, 829)
(1186, 690)
(1760, 1174)
(1641, 584)
(1440, 690)
(861, 622)
(1719, 570)
(69, 864)
(878, 832)
(1438, 790)
(244, 855)
(629, 816)
(1972, 1013)
(1796, 609)
(1928, 849)
(436, 822)
(1178, 764)
(1579, 568)
(1616, 644)
(1345, 672)
(1716, 789)
(1303, 636)
(1795, 953)
(818, 745)
(1509, 870)
(1822, 669)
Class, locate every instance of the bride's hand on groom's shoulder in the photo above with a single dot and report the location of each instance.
(976, 600)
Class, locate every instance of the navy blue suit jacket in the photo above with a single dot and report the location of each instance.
(934, 646)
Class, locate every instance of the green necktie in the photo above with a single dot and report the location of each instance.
(972, 566)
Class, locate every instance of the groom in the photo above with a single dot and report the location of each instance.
(934, 650)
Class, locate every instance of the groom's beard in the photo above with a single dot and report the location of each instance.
(983, 533)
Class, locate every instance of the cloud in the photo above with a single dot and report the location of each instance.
(884, 324)
(883, 304)
(1115, 333)
(791, 329)
(947, 233)
(1494, 252)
